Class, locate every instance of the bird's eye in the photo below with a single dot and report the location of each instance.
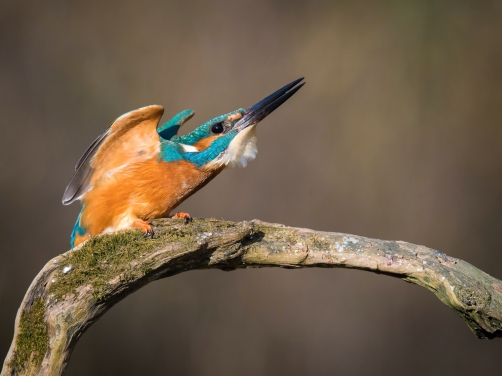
(217, 128)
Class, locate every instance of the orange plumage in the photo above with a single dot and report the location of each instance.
(128, 182)
(137, 193)
(137, 171)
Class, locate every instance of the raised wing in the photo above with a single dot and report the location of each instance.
(169, 130)
(131, 137)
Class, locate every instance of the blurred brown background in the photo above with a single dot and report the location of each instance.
(397, 135)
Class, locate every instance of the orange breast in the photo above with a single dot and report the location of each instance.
(146, 190)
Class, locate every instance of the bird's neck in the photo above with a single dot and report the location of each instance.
(174, 151)
(234, 149)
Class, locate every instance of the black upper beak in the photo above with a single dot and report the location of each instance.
(265, 107)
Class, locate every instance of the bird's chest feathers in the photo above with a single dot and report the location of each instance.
(175, 182)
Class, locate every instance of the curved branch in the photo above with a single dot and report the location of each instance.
(74, 289)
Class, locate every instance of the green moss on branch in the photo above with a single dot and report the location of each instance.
(123, 254)
(75, 289)
(32, 340)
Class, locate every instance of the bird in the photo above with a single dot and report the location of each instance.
(137, 170)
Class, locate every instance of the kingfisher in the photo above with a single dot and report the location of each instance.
(138, 170)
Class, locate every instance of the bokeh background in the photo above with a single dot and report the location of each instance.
(397, 135)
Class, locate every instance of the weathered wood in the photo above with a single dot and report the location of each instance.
(74, 289)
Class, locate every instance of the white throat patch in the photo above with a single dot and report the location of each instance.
(241, 149)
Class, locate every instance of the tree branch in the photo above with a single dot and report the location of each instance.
(74, 289)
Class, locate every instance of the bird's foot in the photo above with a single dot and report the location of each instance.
(185, 216)
(145, 227)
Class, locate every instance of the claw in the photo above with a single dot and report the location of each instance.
(186, 217)
(145, 227)
(149, 233)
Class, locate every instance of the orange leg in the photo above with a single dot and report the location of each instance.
(144, 226)
(185, 216)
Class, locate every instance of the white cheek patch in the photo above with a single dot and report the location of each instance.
(189, 148)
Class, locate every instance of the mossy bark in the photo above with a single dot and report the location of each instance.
(74, 289)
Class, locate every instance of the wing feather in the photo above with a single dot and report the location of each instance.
(90, 149)
(131, 137)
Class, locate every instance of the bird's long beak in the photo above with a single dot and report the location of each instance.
(265, 107)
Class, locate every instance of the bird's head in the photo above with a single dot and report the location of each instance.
(228, 139)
